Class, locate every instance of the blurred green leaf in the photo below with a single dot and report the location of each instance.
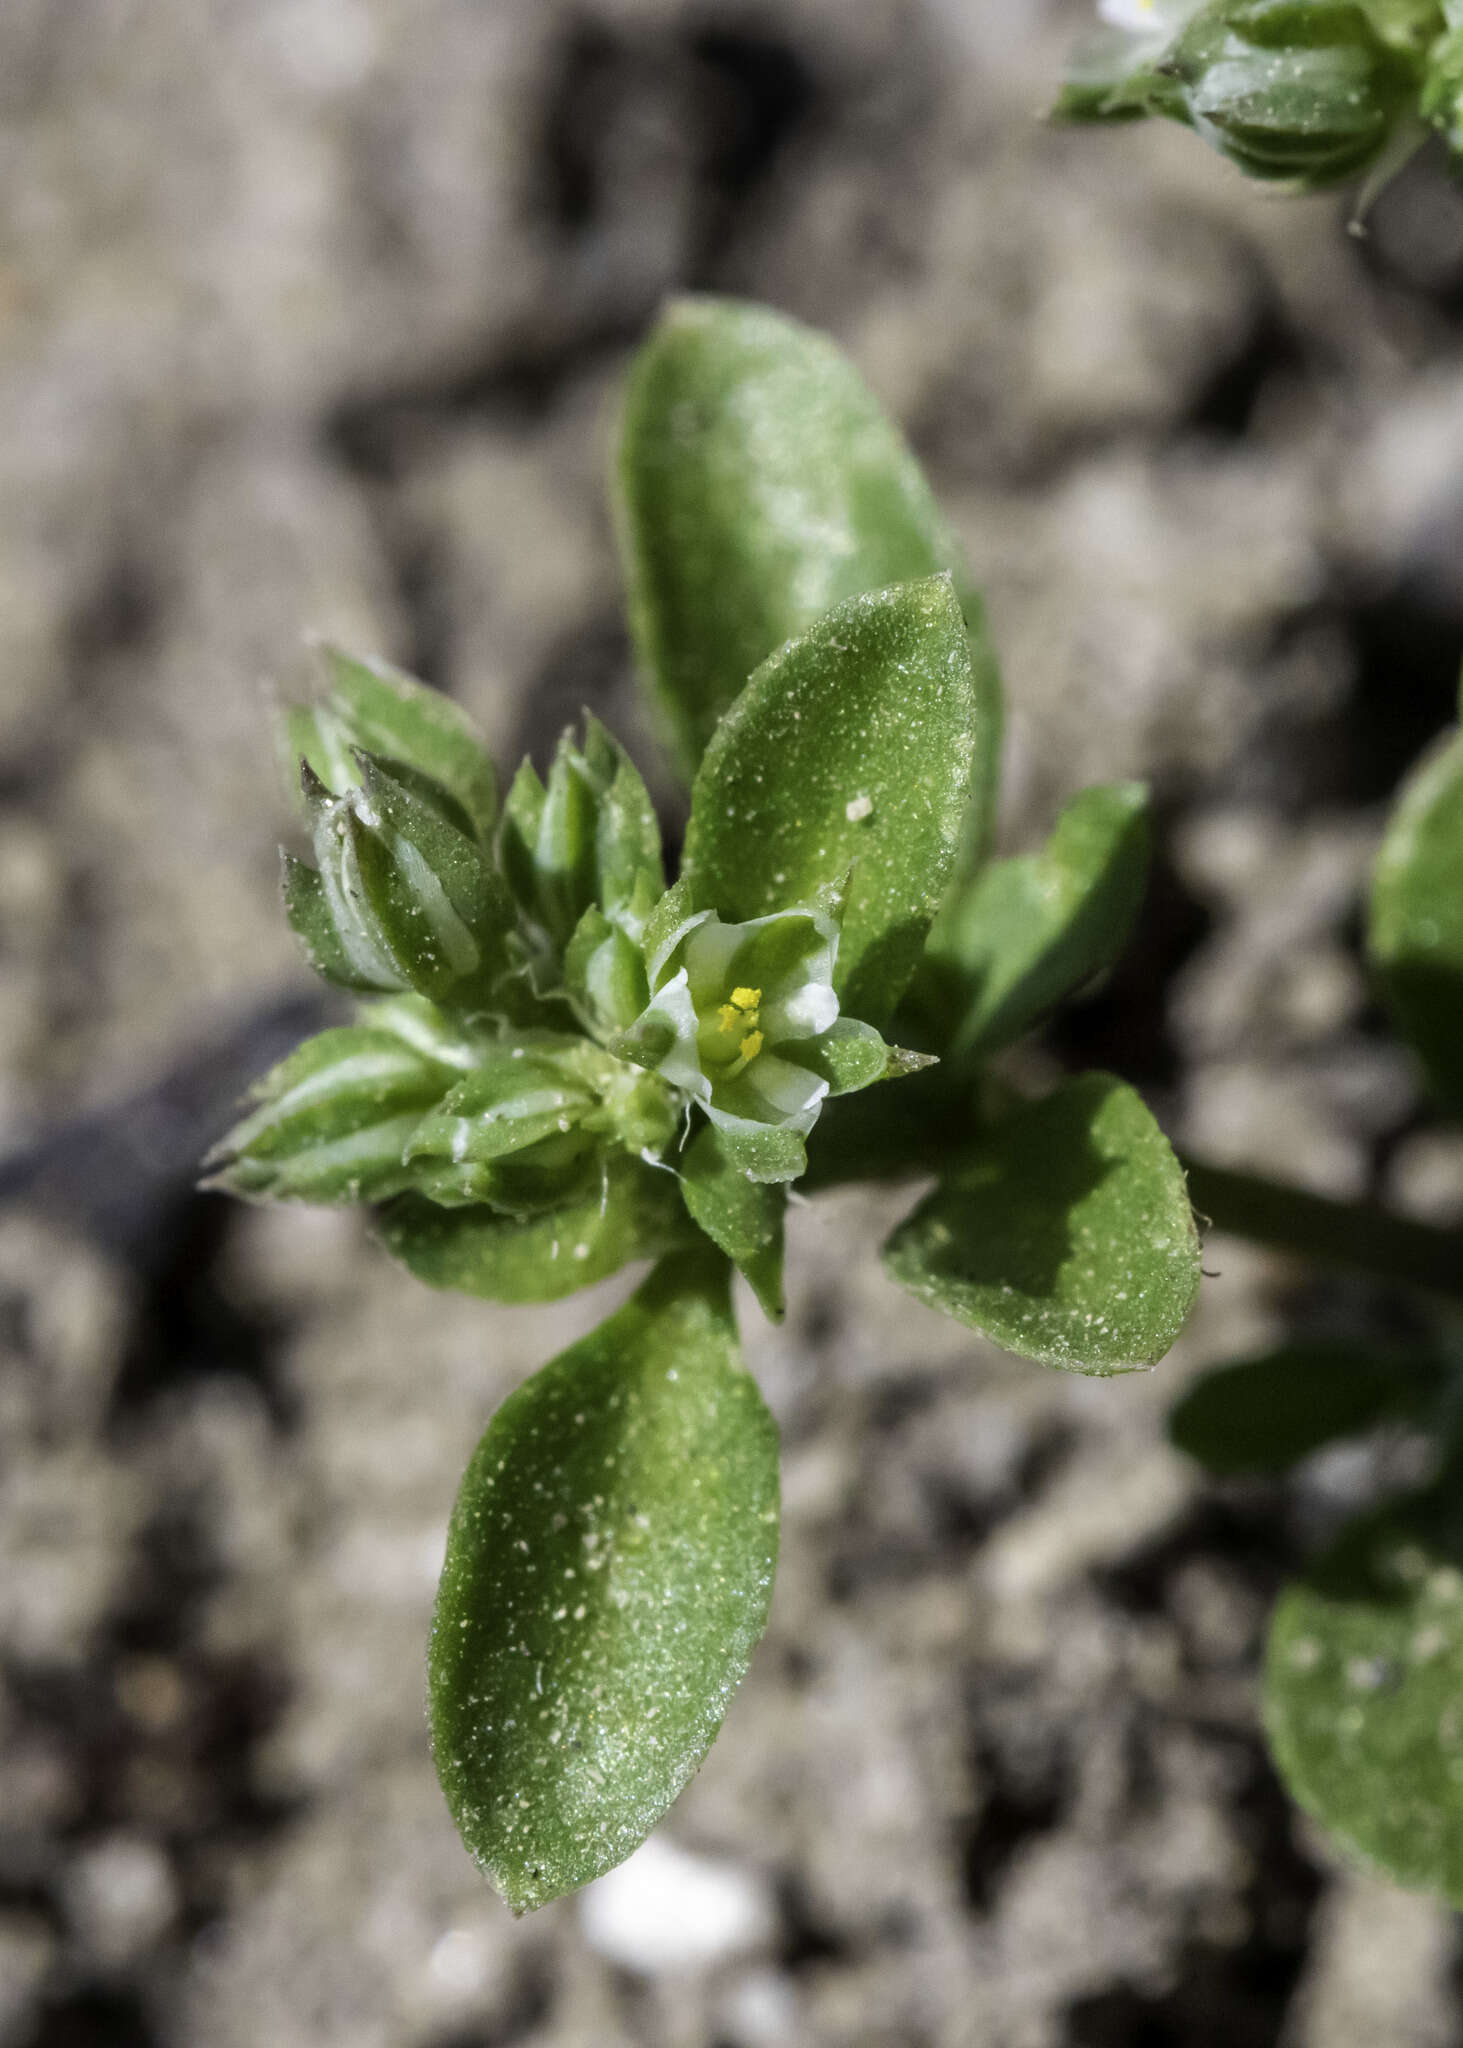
(609, 1568)
(378, 708)
(1027, 932)
(1264, 1414)
(850, 749)
(760, 484)
(1065, 1236)
(331, 1121)
(1363, 1690)
(632, 1211)
(1416, 934)
(743, 1216)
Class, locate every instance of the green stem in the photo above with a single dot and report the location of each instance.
(1356, 1235)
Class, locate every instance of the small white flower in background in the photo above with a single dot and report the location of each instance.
(1146, 17)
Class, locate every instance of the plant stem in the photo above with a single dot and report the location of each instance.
(1356, 1235)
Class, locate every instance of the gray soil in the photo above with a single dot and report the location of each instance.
(312, 314)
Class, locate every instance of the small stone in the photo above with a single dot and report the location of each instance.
(665, 1912)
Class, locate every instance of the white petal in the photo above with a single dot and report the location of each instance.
(791, 1091)
(681, 1067)
(807, 1013)
(708, 955)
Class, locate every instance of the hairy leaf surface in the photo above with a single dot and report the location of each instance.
(1066, 1236)
(609, 1568)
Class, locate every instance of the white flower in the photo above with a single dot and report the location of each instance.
(736, 1014)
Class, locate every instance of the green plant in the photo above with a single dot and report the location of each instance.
(1363, 1680)
(559, 1064)
(1301, 93)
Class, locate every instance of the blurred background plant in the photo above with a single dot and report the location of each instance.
(312, 313)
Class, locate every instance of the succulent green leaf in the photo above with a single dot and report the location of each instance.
(760, 484)
(331, 1122)
(1363, 1690)
(609, 1568)
(1416, 934)
(851, 748)
(1265, 1414)
(377, 708)
(743, 1216)
(1065, 1236)
(1026, 932)
(631, 1211)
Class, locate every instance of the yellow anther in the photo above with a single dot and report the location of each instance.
(731, 1018)
(751, 1045)
(746, 998)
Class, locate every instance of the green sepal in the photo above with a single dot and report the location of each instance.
(632, 1211)
(377, 708)
(743, 1217)
(1363, 1690)
(1265, 1414)
(609, 1568)
(604, 974)
(331, 1122)
(763, 1152)
(414, 901)
(628, 866)
(518, 835)
(1304, 92)
(513, 1100)
(1065, 1235)
(307, 907)
(1416, 922)
(422, 1025)
(851, 748)
(429, 847)
(851, 1055)
(587, 837)
(1027, 932)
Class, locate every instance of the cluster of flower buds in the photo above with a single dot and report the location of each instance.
(1303, 93)
(543, 1022)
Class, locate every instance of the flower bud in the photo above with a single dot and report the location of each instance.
(524, 1130)
(416, 731)
(586, 839)
(1302, 91)
(1306, 93)
(401, 898)
(331, 1122)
